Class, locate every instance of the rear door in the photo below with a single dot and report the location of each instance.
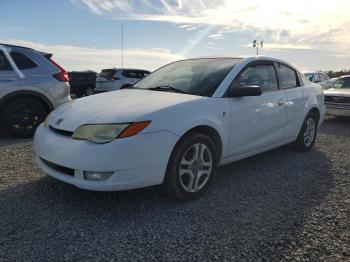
(291, 84)
(11, 78)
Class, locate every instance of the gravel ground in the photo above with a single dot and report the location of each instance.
(281, 205)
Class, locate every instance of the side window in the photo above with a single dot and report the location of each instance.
(130, 74)
(4, 63)
(260, 75)
(288, 77)
(346, 83)
(22, 61)
(140, 74)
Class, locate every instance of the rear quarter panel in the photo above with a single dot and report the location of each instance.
(314, 98)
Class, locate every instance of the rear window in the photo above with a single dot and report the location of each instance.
(4, 63)
(288, 77)
(22, 61)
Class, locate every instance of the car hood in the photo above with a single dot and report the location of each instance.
(337, 92)
(121, 106)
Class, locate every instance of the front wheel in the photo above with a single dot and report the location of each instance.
(191, 167)
(308, 132)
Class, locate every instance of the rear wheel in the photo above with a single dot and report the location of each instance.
(22, 116)
(191, 167)
(308, 132)
(89, 91)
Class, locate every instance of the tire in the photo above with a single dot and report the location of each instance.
(22, 116)
(89, 91)
(307, 134)
(196, 174)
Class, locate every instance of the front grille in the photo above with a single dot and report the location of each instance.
(61, 169)
(61, 132)
(337, 99)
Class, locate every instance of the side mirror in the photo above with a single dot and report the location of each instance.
(248, 90)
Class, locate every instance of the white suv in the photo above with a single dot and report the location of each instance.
(31, 86)
(115, 79)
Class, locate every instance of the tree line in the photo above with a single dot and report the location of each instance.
(333, 74)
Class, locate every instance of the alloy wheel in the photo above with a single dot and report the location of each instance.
(310, 132)
(195, 167)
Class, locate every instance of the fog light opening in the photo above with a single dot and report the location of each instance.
(97, 176)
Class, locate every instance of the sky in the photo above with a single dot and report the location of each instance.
(86, 34)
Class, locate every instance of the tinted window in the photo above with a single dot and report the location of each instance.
(142, 74)
(261, 75)
(22, 61)
(342, 82)
(197, 76)
(131, 74)
(288, 77)
(107, 73)
(4, 63)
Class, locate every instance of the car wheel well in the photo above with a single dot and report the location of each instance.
(210, 132)
(6, 101)
(316, 112)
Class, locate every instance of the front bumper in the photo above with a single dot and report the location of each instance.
(136, 162)
(337, 111)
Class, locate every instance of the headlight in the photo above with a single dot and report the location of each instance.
(106, 133)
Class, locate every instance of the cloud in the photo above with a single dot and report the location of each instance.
(82, 58)
(300, 21)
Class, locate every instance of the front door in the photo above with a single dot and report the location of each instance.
(257, 121)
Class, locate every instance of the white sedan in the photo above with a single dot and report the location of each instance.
(176, 126)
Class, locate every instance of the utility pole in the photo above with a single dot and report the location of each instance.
(257, 45)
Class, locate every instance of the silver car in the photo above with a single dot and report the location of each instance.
(31, 86)
(337, 98)
(115, 79)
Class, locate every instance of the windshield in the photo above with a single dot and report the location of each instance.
(196, 77)
(309, 76)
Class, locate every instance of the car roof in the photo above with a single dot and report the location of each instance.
(123, 69)
(48, 55)
(247, 59)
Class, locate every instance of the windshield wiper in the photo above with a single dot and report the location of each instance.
(166, 88)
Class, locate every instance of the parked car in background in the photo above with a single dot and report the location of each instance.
(31, 86)
(115, 79)
(337, 98)
(177, 125)
(82, 83)
(320, 78)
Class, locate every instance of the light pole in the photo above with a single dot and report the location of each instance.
(257, 45)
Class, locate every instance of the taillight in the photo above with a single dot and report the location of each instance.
(62, 75)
